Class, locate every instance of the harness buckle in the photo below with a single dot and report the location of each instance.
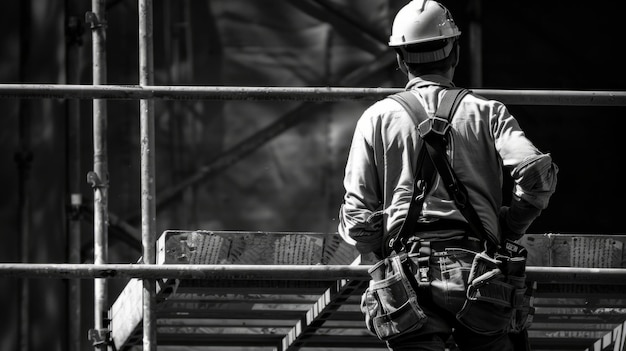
(436, 125)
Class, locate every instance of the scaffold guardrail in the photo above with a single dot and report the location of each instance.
(139, 92)
(565, 275)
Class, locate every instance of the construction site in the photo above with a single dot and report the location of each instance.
(172, 169)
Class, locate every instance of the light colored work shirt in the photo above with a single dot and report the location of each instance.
(484, 137)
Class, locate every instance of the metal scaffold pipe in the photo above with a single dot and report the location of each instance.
(565, 275)
(148, 188)
(133, 92)
(99, 177)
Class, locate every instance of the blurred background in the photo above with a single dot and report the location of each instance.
(286, 158)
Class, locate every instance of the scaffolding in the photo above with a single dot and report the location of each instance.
(150, 273)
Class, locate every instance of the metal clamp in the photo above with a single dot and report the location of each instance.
(95, 181)
(100, 337)
(94, 22)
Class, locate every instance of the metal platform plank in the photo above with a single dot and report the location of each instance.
(328, 303)
(303, 314)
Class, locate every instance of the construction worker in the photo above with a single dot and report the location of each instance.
(484, 140)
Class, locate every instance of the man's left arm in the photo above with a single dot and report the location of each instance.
(360, 215)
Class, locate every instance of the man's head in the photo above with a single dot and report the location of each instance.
(425, 36)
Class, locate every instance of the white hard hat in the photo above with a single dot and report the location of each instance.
(422, 21)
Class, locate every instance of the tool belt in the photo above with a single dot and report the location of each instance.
(497, 299)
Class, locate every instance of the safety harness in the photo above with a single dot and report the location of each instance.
(496, 260)
(433, 133)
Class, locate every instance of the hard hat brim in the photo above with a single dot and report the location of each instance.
(396, 41)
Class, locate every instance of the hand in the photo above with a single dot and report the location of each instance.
(374, 246)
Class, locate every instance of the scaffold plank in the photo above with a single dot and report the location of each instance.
(257, 248)
(572, 302)
(218, 284)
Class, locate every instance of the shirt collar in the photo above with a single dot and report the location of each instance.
(429, 79)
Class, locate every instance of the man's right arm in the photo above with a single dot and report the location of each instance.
(535, 182)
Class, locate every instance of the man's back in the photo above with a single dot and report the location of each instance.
(483, 136)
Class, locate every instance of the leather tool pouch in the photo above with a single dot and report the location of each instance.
(390, 302)
(496, 294)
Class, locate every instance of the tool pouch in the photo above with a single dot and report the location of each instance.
(496, 294)
(390, 302)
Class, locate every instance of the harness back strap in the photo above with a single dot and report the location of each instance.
(436, 142)
(433, 132)
(424, 174)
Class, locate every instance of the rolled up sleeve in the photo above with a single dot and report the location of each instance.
(535, 180)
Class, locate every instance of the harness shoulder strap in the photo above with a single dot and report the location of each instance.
(450, 102)
(424, 175)
(436, 144)
(410, 103)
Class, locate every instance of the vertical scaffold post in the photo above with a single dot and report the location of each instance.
(99, 177)
(148, 204)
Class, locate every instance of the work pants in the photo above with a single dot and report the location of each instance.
(449, 269)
